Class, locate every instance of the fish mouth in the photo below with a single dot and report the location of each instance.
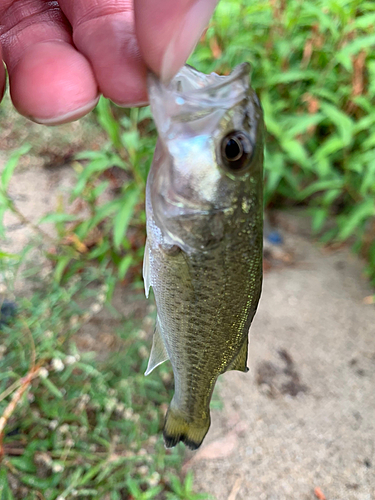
(191, 95)
(193, 87)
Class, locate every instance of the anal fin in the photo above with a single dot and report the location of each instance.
(240, 361)
(158, 351)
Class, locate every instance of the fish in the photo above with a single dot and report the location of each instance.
(203, 254)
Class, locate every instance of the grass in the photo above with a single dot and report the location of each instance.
(75, 425)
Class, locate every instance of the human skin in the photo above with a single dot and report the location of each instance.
(61, 55)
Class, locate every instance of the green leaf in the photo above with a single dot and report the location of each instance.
(318, 219)
(330, 196)
(125, 263)
(108, 121)
(3, 209)
(99, 190)
(152, 493)
(322, 185)
(332, 145)
(274, 167)
(123, 217)
(291, 76)
(92, 472)
(144, 114)
(58, 217)
(368, 180)
(24, 463)
(272, 125)
(51, 387)
(99, 165)
(357, 216)
(364, 123)
(189, 481)
(102, 213)
(296, 152)
(12, 164)
(177, 487)
(344, 56)
(133, 487)
(302, 124)
(37, 482)
(342, 122)
(61, 265)
(4, 201)
(5, 491)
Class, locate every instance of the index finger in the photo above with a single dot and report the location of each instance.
(168, 30)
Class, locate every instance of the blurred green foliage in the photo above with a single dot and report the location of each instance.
(314, 70)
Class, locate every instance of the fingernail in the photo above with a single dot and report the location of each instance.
(68, 117)
(186, 37)
(140, 104)
(5, 81)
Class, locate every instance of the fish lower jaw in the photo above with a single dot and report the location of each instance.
(177, 428)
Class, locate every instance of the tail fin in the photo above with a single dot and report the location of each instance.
(177, 428)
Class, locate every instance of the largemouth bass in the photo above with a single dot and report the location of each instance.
(203, 255)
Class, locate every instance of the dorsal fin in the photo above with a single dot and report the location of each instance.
(158, 351)
(240, 361)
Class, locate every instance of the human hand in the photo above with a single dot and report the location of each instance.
(62, 54)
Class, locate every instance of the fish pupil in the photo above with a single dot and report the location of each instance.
(236, 151)
(233, 149)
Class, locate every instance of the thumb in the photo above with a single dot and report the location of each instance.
(168, 30)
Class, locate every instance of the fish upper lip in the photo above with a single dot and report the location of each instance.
(202, 96)
(239, 71)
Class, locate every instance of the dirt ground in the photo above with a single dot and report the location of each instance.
(301, 424)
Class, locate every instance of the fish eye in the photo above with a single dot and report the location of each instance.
(236, 151)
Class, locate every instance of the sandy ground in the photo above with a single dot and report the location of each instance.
(301, 424)
(35, 191)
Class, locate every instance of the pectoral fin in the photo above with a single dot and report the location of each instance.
(146, 269)
(240, 361)
(158, 351)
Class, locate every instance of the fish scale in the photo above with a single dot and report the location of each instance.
(203, 256)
